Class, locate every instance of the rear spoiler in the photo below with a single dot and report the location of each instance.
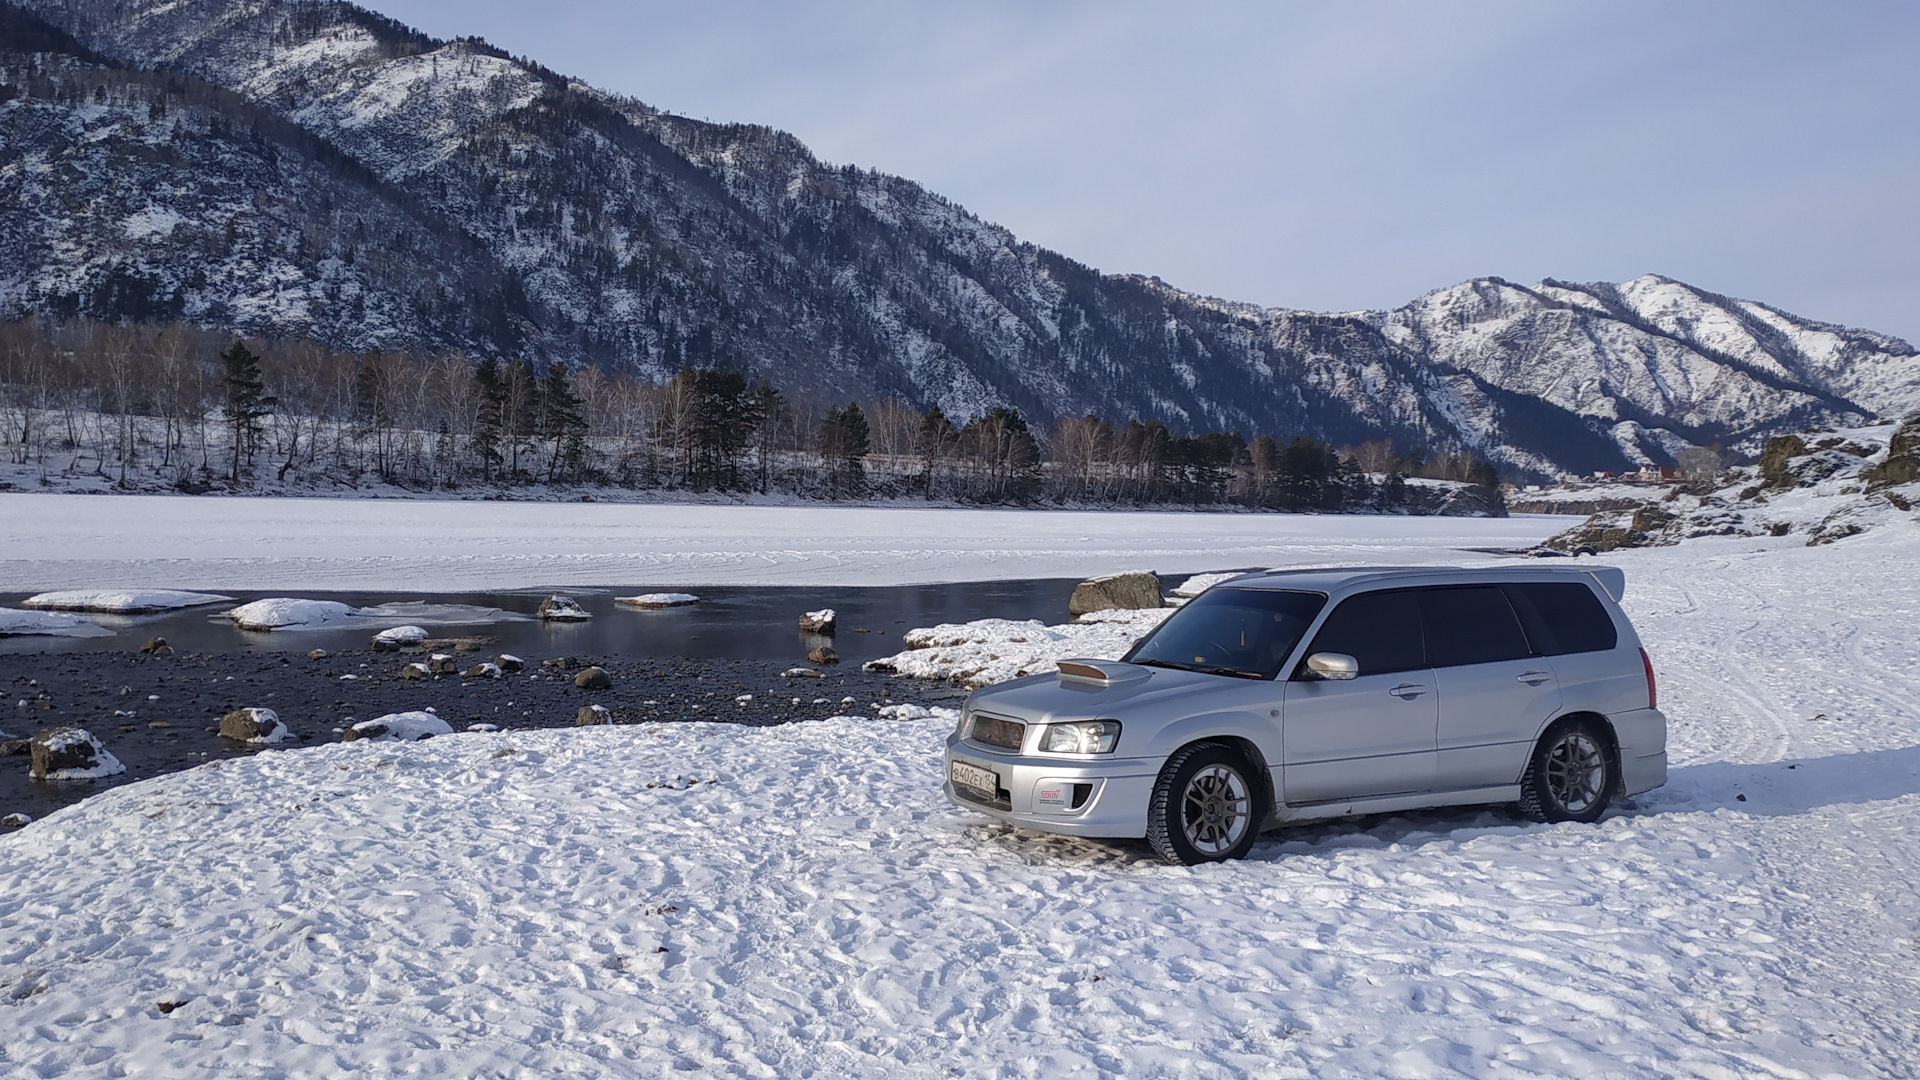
(1611, 579)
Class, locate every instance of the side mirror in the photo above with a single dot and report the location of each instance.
(1333, 665)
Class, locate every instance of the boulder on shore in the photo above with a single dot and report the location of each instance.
(510, 663)
(1135, 589)
(253, 726)
(591, 715)
(398, 637)
(157, 646)
(823, 621)
(398, 727)
(71, 753)
(824, 655)
(557, 608)
(593, 678)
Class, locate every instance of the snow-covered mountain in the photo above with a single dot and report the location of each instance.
(311, 168)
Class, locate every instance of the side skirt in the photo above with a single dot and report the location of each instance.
(1393, 804)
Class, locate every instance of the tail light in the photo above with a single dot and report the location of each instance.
(1653, 695)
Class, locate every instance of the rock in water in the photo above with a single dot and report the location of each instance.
(657, 600)
(157, 647)
(824, 655)
(70, 753)
(819, 622)
(253, 726)
(15, 821)
(594, 678)
(557, 608)
(591, 715)
(1132, 590)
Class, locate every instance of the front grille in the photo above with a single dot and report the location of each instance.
(997, 732)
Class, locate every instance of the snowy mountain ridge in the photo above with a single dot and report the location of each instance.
(361, 183)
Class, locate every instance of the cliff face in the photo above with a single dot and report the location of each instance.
(312, 168)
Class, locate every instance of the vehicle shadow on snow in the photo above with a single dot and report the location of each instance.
(1773, 789)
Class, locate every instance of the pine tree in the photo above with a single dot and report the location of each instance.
(845, 441)
(489, 420)
(563, 421)
(246, 402)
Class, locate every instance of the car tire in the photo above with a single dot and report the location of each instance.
(1572, 774)
(1206, 806)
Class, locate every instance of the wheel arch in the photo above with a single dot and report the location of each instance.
(1263, 772)
(1610, 740)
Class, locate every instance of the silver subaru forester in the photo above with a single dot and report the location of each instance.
(1295, 695)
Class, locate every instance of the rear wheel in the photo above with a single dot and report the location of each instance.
(1572, 775)
(1205, 806)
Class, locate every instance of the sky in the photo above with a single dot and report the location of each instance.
(1331, 156)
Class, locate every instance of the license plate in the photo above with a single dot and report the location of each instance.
(984, 781)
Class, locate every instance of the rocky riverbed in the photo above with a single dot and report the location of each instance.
(161, 713)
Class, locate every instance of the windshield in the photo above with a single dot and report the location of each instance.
(1227, 631)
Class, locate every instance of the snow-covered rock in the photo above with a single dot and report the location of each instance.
(398, 727)
(71, 753)
(121, 602)
(482, 670)
(823, 621)
(988, 651)
(293, 613)
(254, 725)
(657, 600)
(400, 635)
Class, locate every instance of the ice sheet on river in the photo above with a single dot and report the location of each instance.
(294, 613)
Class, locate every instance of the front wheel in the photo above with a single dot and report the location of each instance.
(1205, 806)
(1572, 775)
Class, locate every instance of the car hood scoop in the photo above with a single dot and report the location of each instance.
(1101, 672)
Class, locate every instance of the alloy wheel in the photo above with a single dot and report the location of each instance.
(1576, 772)
(1217, 809)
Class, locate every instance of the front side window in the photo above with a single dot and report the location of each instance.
(1381, 630)
(1471, 624)
(1227, 631)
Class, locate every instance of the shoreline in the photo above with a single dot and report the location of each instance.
(180, 730)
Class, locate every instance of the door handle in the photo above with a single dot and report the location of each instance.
(1534, 678)
(1407, 691)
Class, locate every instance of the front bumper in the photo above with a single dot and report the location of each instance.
(1037, 792)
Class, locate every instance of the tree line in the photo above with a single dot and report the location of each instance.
(174, 405)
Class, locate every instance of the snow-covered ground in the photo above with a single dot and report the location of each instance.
(135, 541)
(800, 901)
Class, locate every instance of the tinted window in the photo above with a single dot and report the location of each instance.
(1563, 617)
(1381, 630)
(1470, 624)
(1239, 631)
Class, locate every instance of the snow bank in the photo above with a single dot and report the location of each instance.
(48, 624)
(132, 602)
(657, 600)
(291, 613)
(1200, 583)
(988, 651)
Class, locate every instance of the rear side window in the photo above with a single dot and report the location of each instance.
(1563, 617)
(1381, 630)
(1471, 624)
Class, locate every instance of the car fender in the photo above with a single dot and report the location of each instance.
(1258, 727)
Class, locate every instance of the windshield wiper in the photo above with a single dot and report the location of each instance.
(1235, 672)
(1163, 663)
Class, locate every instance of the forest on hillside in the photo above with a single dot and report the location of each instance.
(174, 406)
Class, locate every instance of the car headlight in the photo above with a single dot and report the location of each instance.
(1083, 737)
